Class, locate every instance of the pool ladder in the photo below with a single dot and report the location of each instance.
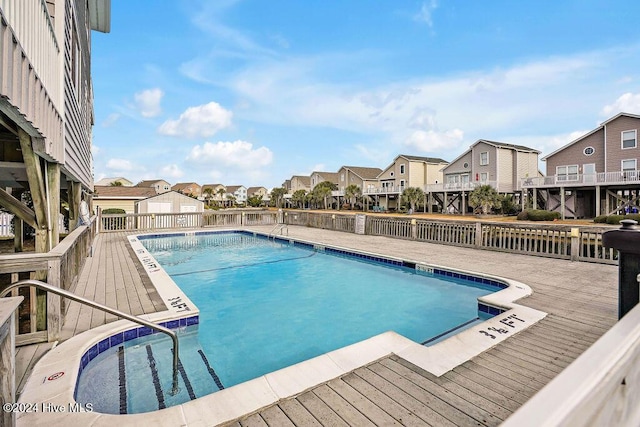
(47, 287)
(279, 228)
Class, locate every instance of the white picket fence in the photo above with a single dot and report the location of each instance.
(6, 230)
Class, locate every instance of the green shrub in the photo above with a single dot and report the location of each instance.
(601, 219)
(113, 211)
(614, 219)
(542, 215)
(523, 216)
(635, 217)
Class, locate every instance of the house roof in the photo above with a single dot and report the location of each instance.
(108, 181)
(234, 188)
(508, 146)
(306, 180)
(328, 176)
(423, 159)
(164, 195)
(182, 185)
(149, 182)
(602, 125)
(364, 172)
(252, 190)
(211, 186)
(114, 192)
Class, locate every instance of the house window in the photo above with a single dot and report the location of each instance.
(588, 151)
(567, 173)
(629, 165)
(391, 174)
(484, 177)
(464, 178)
(452, 179)
(465, 165)
(402, 183)
(342, 177)
(629, 139)
(484, 158)
(402, 169)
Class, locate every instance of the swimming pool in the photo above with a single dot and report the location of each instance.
(55, 377)
(269, 303)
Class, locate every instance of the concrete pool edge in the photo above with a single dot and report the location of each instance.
(252, 395)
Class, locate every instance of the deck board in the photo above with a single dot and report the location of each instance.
(581, 299)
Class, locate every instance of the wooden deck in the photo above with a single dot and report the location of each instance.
(581, 299)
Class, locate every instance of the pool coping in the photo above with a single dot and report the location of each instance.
(54, 377)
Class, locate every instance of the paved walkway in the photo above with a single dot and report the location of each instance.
(581, 299)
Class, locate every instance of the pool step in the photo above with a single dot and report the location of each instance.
(145, 372)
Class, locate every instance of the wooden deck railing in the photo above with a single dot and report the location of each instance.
(39, 316)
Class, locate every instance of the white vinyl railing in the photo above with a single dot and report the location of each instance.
(572, 180)
(600, 388)
(458, 186)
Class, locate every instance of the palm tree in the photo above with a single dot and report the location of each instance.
(323, 190)
(208, 195)
(116, 184)
(298, 197)
(277, 194)
(221, 192)
(485, 197)
(412, 195)
(352, 193)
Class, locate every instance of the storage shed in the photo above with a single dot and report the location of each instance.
(169, 202)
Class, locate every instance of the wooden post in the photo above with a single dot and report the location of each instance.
(562, 202)
(478, 242)
(18, 231)
(598, 211)
(575, 243)
(53, 180)
(75, 196)
(54, 309)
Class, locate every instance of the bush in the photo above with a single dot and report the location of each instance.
(601, 219)
(635, 217)
(113, 211)
(614, 219)
(538, 215)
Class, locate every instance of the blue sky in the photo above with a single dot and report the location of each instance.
(252, 92)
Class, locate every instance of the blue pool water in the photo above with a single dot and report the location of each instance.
(267, 304)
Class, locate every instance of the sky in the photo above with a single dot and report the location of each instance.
(251, 92)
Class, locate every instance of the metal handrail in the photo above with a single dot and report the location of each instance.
(45, 286)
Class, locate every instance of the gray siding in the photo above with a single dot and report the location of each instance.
(574, 154)
(176, 200)
(505, 166)
(615, 153)
(458, 166)
(491, 168)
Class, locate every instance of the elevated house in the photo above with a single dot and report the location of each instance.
(213, 193)
(296, 183)
(46, 109)
(188, 188)
(118, 197)
(120, 181)
(405, 171)
(317, 177)
(361, 177)
(159, 185)
(258, 192)
(497, 164)
(237, 193)
(596, 174)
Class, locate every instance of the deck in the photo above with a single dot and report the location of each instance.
(581, 299)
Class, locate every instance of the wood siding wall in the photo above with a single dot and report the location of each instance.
(78, 94)
(615, 153)
(574, 154)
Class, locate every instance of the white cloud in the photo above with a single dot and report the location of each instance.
(201, 121)
(120, 165)
(111, 120)
(626, 103)
(426, 12)
(172, 171)
(95, 150)
(148, 102)
(431, 141)
(240, 154)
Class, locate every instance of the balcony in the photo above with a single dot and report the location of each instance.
(582, 180)
(458, 186)
(397, 189)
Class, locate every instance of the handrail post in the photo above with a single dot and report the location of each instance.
(47, 287)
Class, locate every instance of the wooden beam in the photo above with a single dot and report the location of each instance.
(53, 181)
(35, 178)
(17, 208)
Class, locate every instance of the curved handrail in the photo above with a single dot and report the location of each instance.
(45, 286)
